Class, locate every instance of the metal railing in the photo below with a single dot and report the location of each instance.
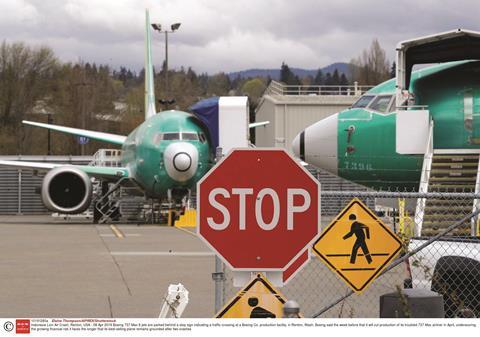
(278, 88)
(425, 178)
(107, 157)
(412, 107)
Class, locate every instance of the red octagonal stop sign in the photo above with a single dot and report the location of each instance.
(258, 209)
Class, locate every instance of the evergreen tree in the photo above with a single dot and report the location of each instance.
(237, 82)
(328, 79)
(287, 76)
(335, 78)
(285, 73)
(218, 85)
(191, 75)
(319, 80)
(344, 80)
(393, 70)
(203, 82)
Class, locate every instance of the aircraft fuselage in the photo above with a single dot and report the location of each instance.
(168, 152)
(359, 144)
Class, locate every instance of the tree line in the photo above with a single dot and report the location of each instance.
(289, 78)
(35, 84)
(371, 67)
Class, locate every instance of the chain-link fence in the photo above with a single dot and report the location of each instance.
(441, 252)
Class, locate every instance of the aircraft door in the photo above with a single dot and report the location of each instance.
(350, 130)
(471, 111)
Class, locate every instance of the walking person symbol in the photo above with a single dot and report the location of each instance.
(359, 230)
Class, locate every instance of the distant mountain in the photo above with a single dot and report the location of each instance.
(342, 67)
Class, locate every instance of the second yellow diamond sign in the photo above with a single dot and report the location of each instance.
(357, 245)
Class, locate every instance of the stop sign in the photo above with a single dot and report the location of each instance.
(259, 210)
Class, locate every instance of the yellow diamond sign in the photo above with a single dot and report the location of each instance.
(258, 299)
(357, 245)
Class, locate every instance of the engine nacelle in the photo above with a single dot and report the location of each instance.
(67, 190)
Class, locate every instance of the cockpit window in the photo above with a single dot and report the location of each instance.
(189, 136)
(170, 136)
(157, 138)
(381, 103)
(362, 101)
(202, 137)
(174, 136)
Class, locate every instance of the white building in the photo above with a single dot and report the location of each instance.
(290, 109)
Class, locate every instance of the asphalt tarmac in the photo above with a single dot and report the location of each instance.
(71, 268)
(52, 267)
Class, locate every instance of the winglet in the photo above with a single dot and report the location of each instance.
(149, 88)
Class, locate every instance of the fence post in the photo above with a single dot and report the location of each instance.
(218, 276)
(291, 309)
(19, 209)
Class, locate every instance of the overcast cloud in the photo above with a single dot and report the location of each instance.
(225, 35)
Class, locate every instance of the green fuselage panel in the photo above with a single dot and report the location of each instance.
(370, 158)
(448, 95)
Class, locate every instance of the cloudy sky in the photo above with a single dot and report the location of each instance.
(226, 35)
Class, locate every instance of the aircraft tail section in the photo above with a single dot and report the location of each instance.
(149, 87)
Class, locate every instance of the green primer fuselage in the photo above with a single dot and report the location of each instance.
(143, 154)
(375, 162)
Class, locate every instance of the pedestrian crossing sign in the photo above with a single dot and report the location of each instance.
(258, 299)
(357, 246)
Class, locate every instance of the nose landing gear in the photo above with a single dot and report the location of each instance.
(178, 200)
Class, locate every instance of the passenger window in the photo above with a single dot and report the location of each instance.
(381, 103)
(362, 102)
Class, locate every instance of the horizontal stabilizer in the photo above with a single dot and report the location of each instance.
(257, 124)
(102, 136)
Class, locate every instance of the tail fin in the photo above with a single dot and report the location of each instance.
(149, 88)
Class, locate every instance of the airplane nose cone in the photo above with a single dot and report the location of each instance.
(181, 161)
(317, 144)
(298, 145)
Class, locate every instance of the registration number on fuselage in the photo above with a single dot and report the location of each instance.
(360, 166)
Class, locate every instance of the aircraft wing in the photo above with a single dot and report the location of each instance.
(94, 171)
(257, 124)
(106, 137)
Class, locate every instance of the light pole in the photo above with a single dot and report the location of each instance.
(158, 28)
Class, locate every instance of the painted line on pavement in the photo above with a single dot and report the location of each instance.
(165, 253)
(117, 232)
(186, 231)
(113, 235)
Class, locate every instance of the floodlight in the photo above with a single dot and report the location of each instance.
(157, 26)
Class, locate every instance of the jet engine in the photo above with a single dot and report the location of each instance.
(66, 190)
